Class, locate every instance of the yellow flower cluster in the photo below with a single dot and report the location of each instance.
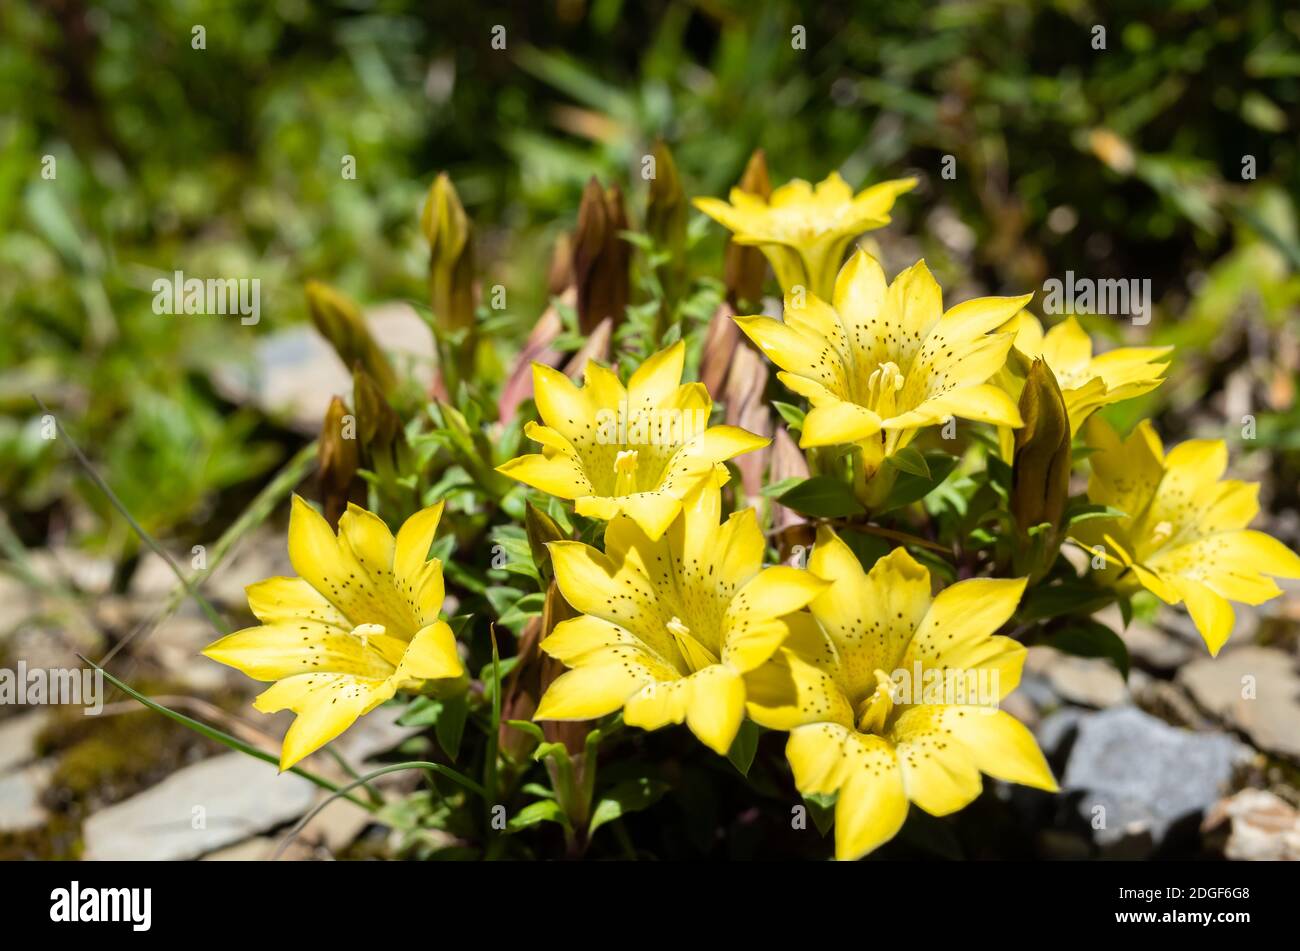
(889, 691)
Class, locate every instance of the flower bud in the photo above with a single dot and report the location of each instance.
(451, 256)
(601, 258)
(338, 460)
(1040, 481)
(340, 322)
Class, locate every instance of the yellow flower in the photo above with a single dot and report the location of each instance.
(669, 627)
(891, 695)
(1183, 536)
(358, 624)
(1087, 382)
(637, 451)
(880, 362)
(804, 231)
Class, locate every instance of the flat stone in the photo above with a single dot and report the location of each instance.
(1157, 649)
(1135, 777)
(1253, 689)
(1255, 826)
(18, 738)
(1087, 681)
(260, 848)
(20, 798)
(238, 796)
(295, 372)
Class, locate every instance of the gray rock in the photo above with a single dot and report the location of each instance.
(1057, 731)
(1135, 777)
(1253, 689)
(295, 372)
(232, 797)
(1087, 681)
(18, 738)
(1158, 649)
(20, 798)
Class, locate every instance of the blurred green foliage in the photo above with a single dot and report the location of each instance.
(1125, 161)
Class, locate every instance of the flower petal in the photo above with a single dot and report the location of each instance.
(326, 706)
(431, 655)
(1001, 746)
(939, 775)
(286, 648)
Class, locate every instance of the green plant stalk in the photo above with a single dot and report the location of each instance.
(293, 472)
(148, 539)
(364, 781)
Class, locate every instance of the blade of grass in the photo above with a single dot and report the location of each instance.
(225, 739)
(293, 472)
(145, 537)
(341, 760)
(362, 780)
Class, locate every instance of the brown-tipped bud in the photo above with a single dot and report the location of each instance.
(379, 429)
(559, 277)
(1040, 483)
(665, 214)
(340, 322)
(337, 458)
(451, 256)
(744, 268)
(601, 258)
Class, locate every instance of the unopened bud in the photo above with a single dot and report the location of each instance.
(1040, 483)
(451, 256)
(601, 258)
(338, 459)
(340, 322)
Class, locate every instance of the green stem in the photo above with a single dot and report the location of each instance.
(148, 539)
(363, 780)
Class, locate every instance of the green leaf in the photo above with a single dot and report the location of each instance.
(776, 488)
(744, 746)
(1086, 638)
(792, 415)
(1067, 597)
(535, 813)
(821, 497)
(1083, 512)
(541, 528)
(822, 809)
(631, 795)
(909, 487)
(422, 711)
(909, 460)
(528, 726)
(450, 726)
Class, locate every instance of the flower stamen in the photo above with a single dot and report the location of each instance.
(877, 707)
(696, 654)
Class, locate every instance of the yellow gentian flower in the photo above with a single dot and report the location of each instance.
(1087, 382)
(841, 687)
(881, 361)
(637, 450)
(804, 231)
(1183, 536)
(670, 626)
(359, 623)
